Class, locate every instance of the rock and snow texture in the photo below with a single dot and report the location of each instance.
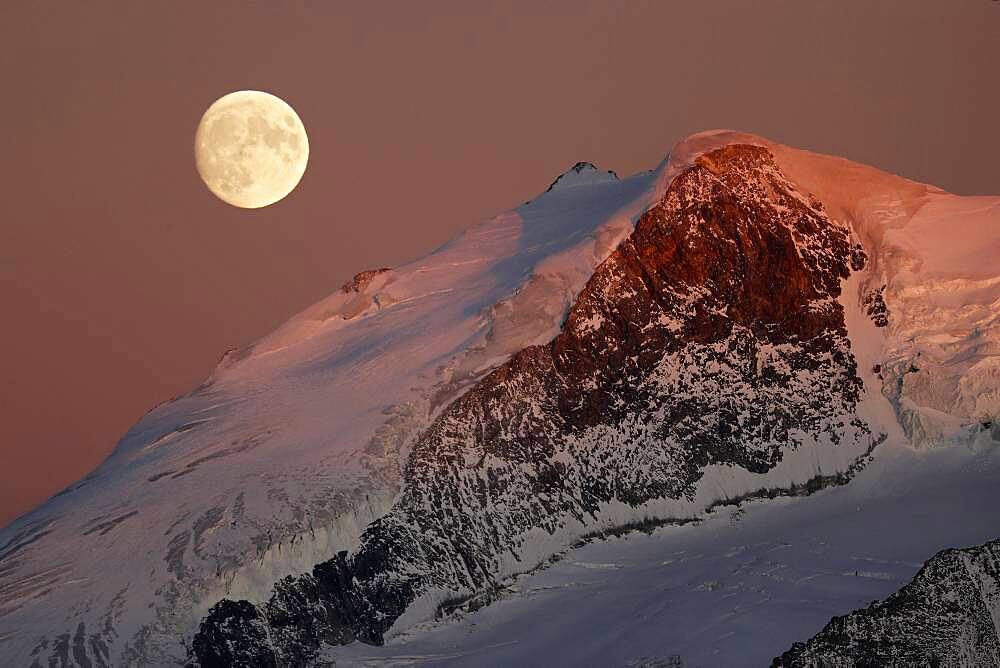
(713, 336)
(734, 590)
(294, 445)
(933, 285)
(946, 616)
(581, 174)
(746, 318)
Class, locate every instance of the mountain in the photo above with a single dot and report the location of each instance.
(736, 586)
(747, 321)
(946, 616)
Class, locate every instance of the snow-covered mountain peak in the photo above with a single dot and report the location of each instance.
(932, 279)
(587, 358)
(582, 174)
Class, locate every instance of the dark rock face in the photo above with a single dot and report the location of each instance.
(234, 619)
(875, 307)
(945, 616)
(362, 279)
(712, 335)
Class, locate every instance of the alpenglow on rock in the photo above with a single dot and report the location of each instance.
(681, 352)
(745, 321)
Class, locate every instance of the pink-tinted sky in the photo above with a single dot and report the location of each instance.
(123, 280)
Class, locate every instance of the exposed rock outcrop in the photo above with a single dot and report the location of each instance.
(362, 279)
(711, 336)
(946, 616)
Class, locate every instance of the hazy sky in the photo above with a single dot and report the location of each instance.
(123, 280)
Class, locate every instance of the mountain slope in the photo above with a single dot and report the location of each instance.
(697, 343)
(293, 446)
(946, 616)
(735, 588)
(745, 319)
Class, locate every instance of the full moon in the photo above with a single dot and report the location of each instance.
(251, 149)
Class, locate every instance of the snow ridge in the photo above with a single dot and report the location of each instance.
(581, 174)
(294, 444)
(680, 354)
